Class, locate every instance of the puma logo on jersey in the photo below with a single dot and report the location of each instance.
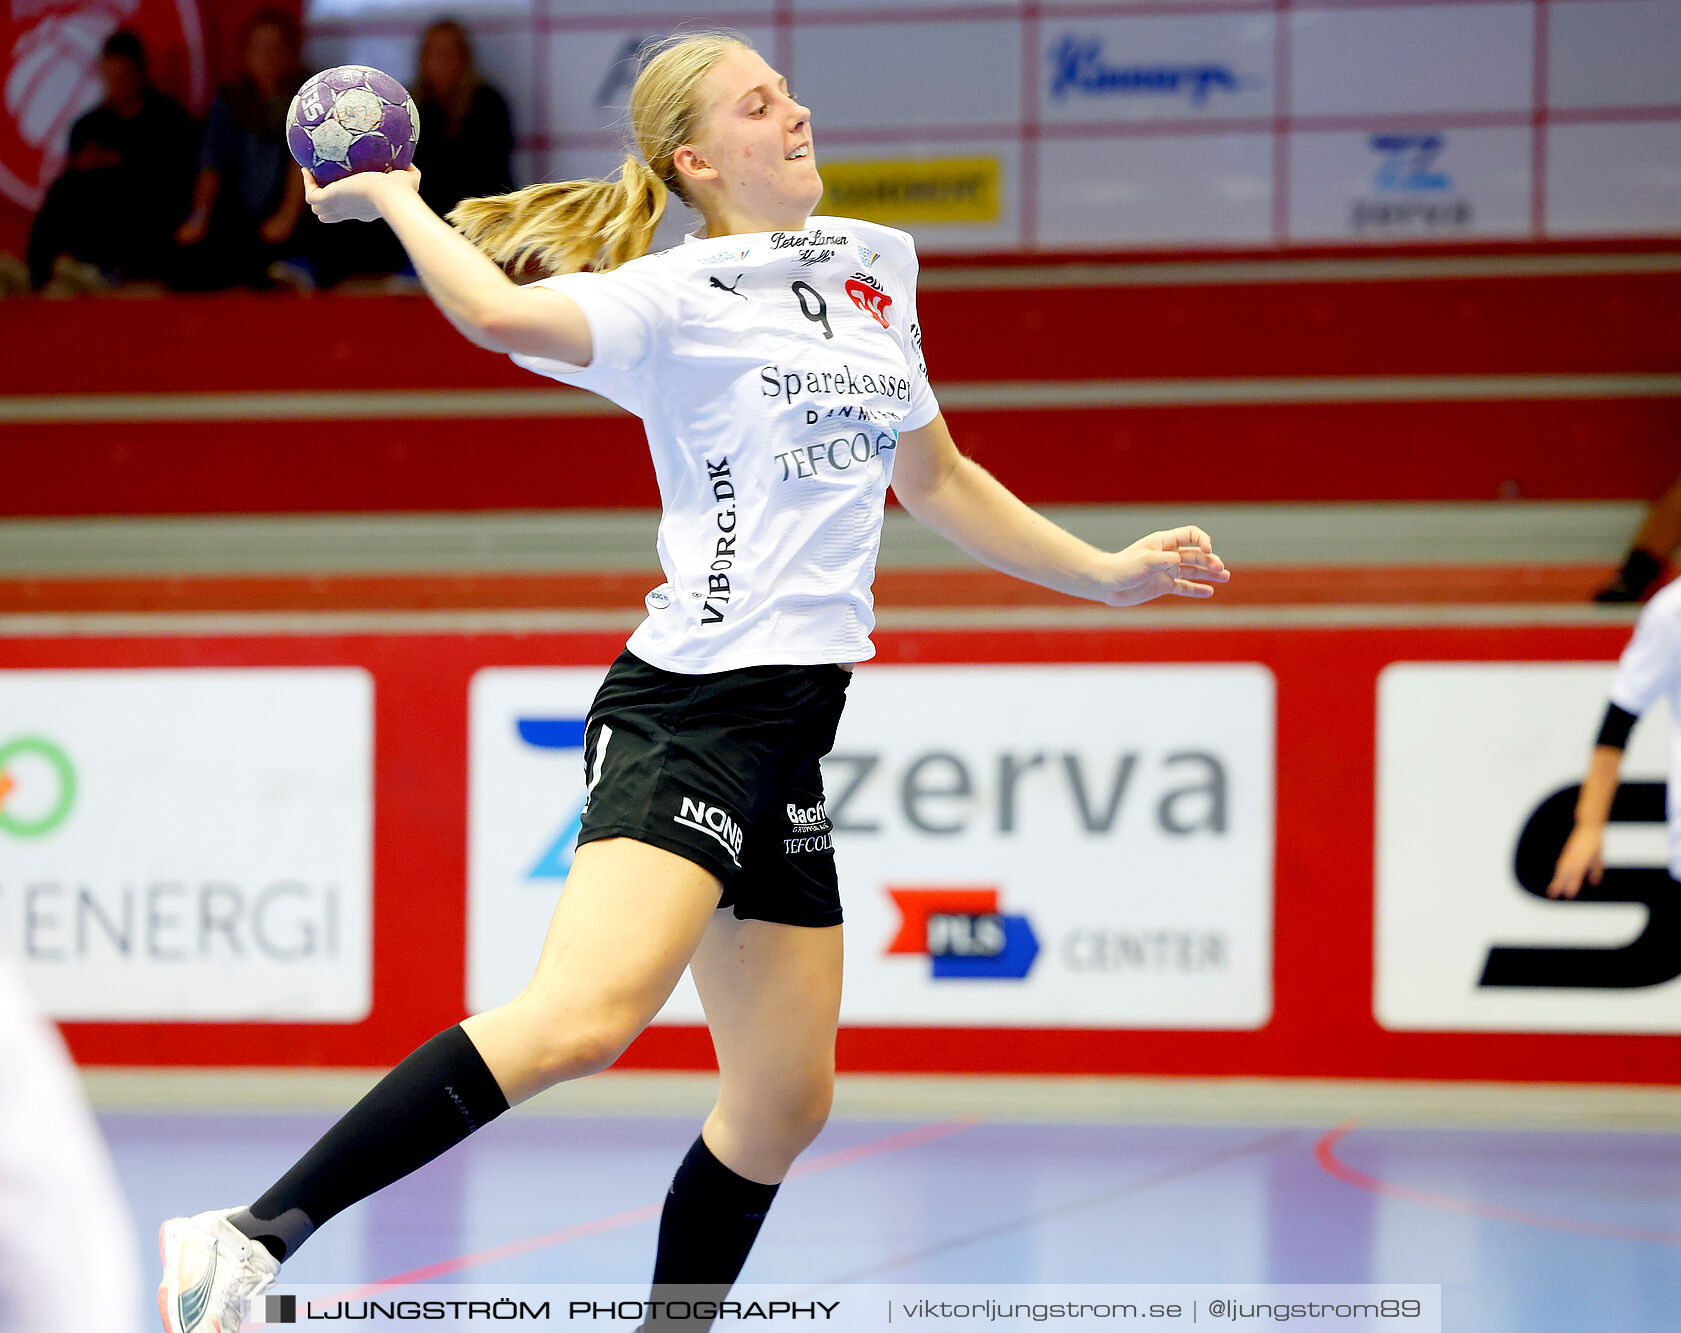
(730, 289)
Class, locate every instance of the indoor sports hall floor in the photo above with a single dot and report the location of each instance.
(1538, 1210)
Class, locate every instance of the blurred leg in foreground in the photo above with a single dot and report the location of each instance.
(67, 1253)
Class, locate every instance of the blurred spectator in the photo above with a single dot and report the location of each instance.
(1654, 544)
(466, 138)
(111, 216)
(466, 143)
(248, 225)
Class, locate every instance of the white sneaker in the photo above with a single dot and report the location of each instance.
(211, 1274)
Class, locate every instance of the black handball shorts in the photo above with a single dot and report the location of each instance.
(722, 769)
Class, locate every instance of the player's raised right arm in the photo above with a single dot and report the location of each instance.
(487, 307)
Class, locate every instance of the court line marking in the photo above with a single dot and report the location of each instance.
(910, 1138)
(1324, 1152)
(1039, 395)
(1265, 1143)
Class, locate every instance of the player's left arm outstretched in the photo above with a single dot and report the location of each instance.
(965, 503)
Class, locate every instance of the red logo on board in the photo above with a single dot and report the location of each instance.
(51, 50)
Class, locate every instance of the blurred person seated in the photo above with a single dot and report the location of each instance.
(466, 137)
(1656, 542)
(111, 216)
(248, 226)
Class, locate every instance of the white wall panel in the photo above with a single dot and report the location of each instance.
(1614, 53)
(932, 82)
(1413, 59)
(910, 75)
(1614, 179)
(1150, 191)
(590, 75)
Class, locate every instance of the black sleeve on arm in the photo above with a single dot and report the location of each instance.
(1615, 729)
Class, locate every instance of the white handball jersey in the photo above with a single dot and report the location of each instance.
(773, 372)
(1650, 669)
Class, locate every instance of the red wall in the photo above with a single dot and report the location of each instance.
(1322, 1022)
(1526, 443)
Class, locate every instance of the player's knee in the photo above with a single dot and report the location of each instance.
(583, 1047)
(798, 1115)
(812, 1114)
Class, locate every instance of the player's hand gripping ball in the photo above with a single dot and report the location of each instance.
(352, 118)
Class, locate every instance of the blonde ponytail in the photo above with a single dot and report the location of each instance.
(564, 227)
(601, 224)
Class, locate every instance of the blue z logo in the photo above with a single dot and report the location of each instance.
(1408, 162)
(562, 733)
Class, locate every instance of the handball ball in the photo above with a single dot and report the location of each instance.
(352, 118)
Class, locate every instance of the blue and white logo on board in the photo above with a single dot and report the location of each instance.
(1157, 67)
(1411, 191)
(1412, 184)
(1081, 66)
(561, 736)
(1410, 161)
(525, 797)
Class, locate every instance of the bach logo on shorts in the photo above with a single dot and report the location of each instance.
(714, 821)
(809, 829)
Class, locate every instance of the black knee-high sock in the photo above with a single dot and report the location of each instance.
(425, 1106)
(711, 1218)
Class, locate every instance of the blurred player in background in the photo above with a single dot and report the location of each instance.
(111, 216)
(1650, 669)
(1654, 545)
(780, 396)
(67, 1254)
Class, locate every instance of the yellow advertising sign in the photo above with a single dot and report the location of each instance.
(945, 189)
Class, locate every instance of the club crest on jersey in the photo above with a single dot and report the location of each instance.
(869, 296)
